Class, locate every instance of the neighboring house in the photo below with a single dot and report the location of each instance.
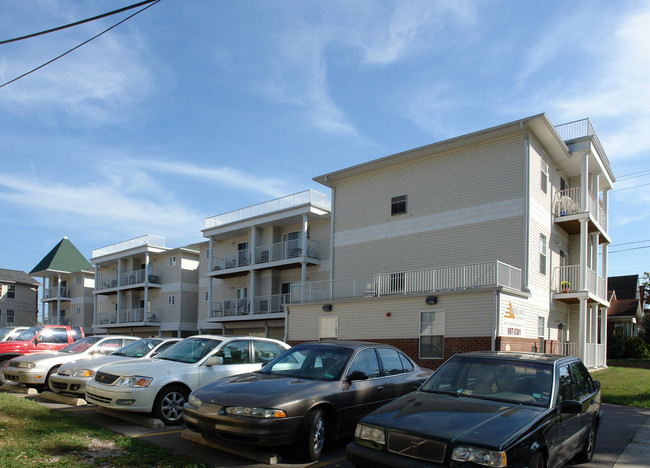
(489, 240)
(254, 255)
(18, 299)
(68, 282)
(146, 289)
(626, 304)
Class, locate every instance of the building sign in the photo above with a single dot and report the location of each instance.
(514, 321)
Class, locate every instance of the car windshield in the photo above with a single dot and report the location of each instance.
(310, 362)
(528, 383)
(81, 345)
(28, 334)
(137, 349)
(189, 350)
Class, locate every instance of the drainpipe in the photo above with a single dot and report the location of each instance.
(210, 266)
(95, 300)
(332, 217)
(495, 330)
(524, 270)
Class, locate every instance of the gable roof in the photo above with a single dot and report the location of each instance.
(63, 258)
(17, 277)
(624, 308)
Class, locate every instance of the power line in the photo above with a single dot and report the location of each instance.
(626, 250)
(628, 188)
(633, 175)
(29, 36)
(628, 243)
(152, 3)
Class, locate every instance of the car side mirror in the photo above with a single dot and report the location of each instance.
(214, 361)
(597, 384)
(357, 375)
(38, 339)
(570, 407)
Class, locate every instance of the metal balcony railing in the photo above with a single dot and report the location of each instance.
(470, 276)
(566, 279)
(581, 129)
(569, 202)
(149, 239)
(285, 250)
(136, 315)
(57, 291)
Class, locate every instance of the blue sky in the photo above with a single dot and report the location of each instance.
(195, 108)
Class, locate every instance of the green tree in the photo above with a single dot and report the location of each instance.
(644, 326)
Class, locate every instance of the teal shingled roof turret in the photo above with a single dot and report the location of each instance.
(64, 257)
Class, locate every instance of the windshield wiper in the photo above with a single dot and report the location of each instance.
(442, 392)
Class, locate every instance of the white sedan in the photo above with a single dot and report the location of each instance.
(161, 385)
(36, 370)
(73, 376)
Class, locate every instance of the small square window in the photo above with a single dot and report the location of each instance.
(398, 205)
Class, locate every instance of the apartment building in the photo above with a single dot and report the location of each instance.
(18, 299)
(252, 257)
(68, 281)
(144, 288)
(490, 240)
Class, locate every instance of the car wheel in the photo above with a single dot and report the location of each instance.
(3, 364)
(168, 406)
(589, 446)
(48, 382)
(311, 436)
(537, 460)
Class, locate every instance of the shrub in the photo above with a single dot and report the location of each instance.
(616, 344)
(635, 348)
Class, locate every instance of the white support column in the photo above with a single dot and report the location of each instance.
(253, 273)
(210, 266)
(594, 251)
(95, 298)
(303, 262)
(582, 332)
(119, 293)
(58, 300)
(254, 230)
(606, 209)
(584, 182)
(146, 287)
(583, 254)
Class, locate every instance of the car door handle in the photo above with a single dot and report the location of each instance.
(380, 388)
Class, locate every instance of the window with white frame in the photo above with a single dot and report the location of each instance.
(544, 177)
(542, 254)
(11, 291)
(329, 328)
(78, 310)
(172, 261)
(432, 334)
(398, 205)
(77, 279)
(541, 327)
(11, 318)
(171, 300)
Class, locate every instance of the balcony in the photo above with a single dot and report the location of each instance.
(452, 278)
(126, 316)
(57, 292)
(130, 279)
(568, 210)
(263, 306)
(308, 197)
(582, 129)
(150, 240)
(230, 308)
(285, 254)
(566, 285)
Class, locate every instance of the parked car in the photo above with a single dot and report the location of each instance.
(36, 370)
(311, 394)
(162, 384)
(494, 409)
(73, 376)
(10, 333)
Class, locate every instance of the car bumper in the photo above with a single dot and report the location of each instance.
(124, 399)
(69, 384)
(366, 457)
(245, 430)
(25, 376)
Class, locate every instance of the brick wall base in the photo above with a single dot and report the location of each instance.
(505, 343)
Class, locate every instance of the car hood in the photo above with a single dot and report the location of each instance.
(269, 391)
(93, 364)
(456, 419)
(149, 367)
(40, 356)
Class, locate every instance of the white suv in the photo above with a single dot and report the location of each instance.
(162, 384)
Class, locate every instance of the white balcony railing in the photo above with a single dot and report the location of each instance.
(262, 305)
(136, 315)
(134, 277)
(230, 308)
(566, 279)
(279, 251)
(149, 239)
(57, 291)
(581, 129)
(569, 202)
(290, 201)
(475, 275)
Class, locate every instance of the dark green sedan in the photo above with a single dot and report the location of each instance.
(495, 409)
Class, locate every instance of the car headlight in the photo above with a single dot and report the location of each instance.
(25, 365)
(371, 434)
(479, 456)
(255, 412)
(194, 401)
(84, 373)
(138, 381)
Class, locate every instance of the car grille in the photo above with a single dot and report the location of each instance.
(97, 398)
(107, 379)
(59, 385)
(416, 447)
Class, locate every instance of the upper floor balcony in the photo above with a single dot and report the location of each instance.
(580, 129)
(128, 317)
(452, 278)
(566, 285)
(57, 292)
(569, 209)
(242, 309)
(286, 254)
(128, 280)
(146, 240)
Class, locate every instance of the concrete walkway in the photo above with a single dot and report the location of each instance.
(637, 453)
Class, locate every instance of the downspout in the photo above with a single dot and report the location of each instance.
(332, 204)
(495, 330)
(524, 269)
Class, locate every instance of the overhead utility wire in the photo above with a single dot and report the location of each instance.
(7, 41)
(76, 47)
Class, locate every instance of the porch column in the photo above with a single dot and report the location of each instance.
(582, 329)
(95, 297)
(303, 263)
(119, 293)
(583, 254)
(254, 273)
(584, 183)
(603, 335)
(253, 244)
(210, 266)
(147, 268)
(606, 209)
(58, 300)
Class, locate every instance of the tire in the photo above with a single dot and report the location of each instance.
(47, 387)
(589, 446)
(312, 435)
(168, 406)
(3, 364)
(537, 460)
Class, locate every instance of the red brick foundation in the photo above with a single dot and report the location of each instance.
(527, 345)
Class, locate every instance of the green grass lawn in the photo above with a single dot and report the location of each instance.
(629, 386)
(33, 435)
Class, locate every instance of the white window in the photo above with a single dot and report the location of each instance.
(329, 328)
(171, 300)
(432, 334)
(544, 178)
(11, 291)
(11, 316)
(542, 254)
(77, 279)
(78, 310)
(398, 205)
(172, 261)
(541, 327)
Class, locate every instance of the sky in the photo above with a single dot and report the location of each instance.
(195, 108)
